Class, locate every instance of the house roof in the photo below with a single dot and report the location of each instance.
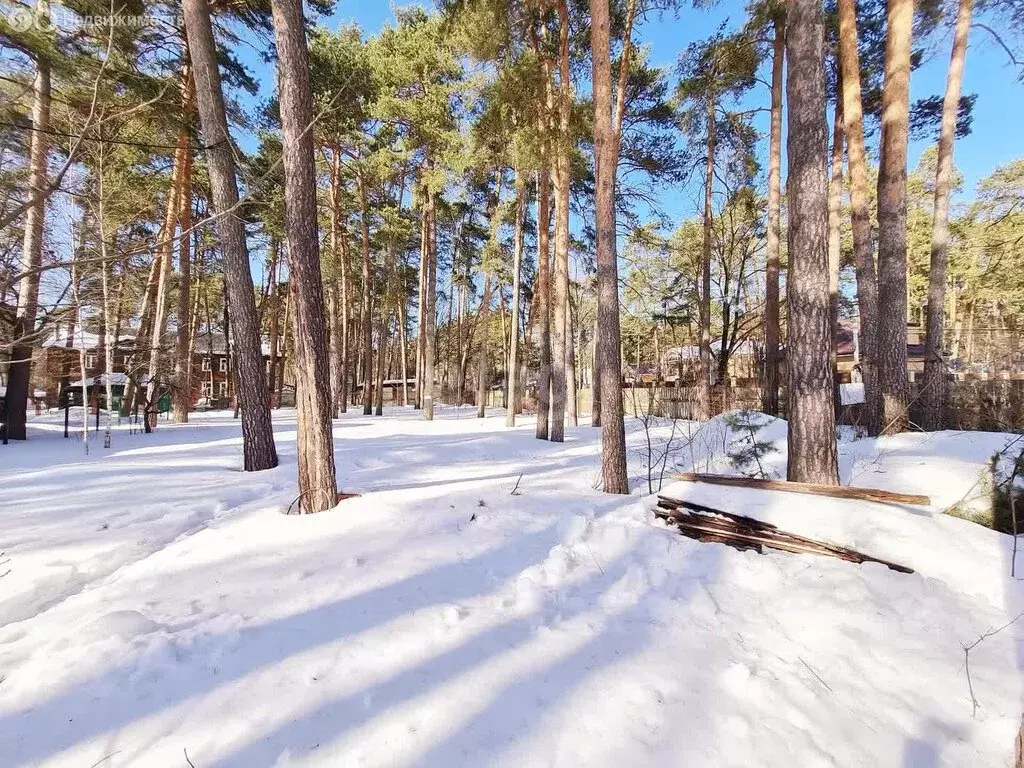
(82, 339)
(692, 352)
(116, 380)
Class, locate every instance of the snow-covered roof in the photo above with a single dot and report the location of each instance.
(88, 340)
(201, 344)
(82, 339)
(116, 380)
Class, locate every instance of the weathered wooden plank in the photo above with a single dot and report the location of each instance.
(832, 491)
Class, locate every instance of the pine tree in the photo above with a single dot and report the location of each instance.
(812, 438)
(258, 446)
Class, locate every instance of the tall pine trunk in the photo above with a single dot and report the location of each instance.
(607, 379)
(933, 390)
(429, 312)
(336, 292)
(562, 156)
(860, 213)
(258, 447)
(835, 195)
(559, 296)
(20, 368)
(892, 218)
(346, 320)
(382, 346)
(286, 343)
(165, 248)
(274, 307)
(772, 323)
(181, 394)
(131, 392)
(812, 435)
(334, 342)
(366, 308)
(703, 404)
(315, 441)
(421, 304)
(512, 380)
(544, 301)
(404, 363)
(570, 365)
(481, 360)
(109, 316)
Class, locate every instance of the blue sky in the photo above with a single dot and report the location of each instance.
(998, 111)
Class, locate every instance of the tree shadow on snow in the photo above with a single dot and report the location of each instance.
(111, 701)
(510, 712)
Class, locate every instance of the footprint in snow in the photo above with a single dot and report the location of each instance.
(453, 614)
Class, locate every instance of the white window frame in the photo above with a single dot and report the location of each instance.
(207, 388)
(90, 359)
(206, 364)
(222, 388)
(224, 364)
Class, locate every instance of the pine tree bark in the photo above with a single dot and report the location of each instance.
(181, 394)
(421, 327)
(563, 179)
(430, 314)
(835, 194)
(366, 308)
(606, 381)
(934, 390)
(131, 392)
(703, 394)
(287, 342)
(334, 343)
(109, 316)
(404, 365)
(274, 305)
(559, 297)
(258, 447)
(544, 302)
(20, 367)
(812, 438)
(336, 292)
(570, 365)
(315, 442)
(773, 239)
(860, 213)
(382, 346)
(892, 218)
(346, 321)
(481, 359)
(165, 249)
(517, 268)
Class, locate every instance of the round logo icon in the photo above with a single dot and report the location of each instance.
(21, 19)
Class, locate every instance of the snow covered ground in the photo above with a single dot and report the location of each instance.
(481, 604)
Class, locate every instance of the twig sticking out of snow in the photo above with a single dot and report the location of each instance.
(982, 475)
(811, 670)
(105, 758)
(185, 750)
(596, 561)
(515, 491)
(967, 658)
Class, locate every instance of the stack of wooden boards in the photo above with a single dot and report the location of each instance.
(705, 523)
